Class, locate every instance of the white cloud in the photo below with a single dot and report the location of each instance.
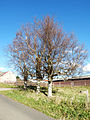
(86, 68)
(2, 69)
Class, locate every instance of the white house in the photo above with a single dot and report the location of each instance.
(7, 77)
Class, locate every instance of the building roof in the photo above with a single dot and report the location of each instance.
(2, 73)
(74, 78)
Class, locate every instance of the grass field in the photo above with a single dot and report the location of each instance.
(3, 85)
(67, 103)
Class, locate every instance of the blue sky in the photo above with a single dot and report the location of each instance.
(74, 15)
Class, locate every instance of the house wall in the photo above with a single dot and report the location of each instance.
(8, 77)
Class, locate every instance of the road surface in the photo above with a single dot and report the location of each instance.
(11, 110)
(4, 89)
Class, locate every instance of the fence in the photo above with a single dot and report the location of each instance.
(21, 83)
(72, 83)
(58, 83)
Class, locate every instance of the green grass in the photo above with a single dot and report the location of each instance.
(67, 102)
(3, 85)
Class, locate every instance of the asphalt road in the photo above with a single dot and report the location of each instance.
(4, 89)
(11, 110)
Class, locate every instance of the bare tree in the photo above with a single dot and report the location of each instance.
(33, 49)
(25, 56)
(62, 55)
(19, 56)
(44, 49)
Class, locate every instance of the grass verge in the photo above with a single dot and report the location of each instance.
(66, 102)
(3, 85)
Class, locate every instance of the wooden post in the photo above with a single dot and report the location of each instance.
(87, 99)
(72, 84)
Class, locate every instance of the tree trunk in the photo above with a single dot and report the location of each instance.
(25, 83)
(50, 88)
(38, 87)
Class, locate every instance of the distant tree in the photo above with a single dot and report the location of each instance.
(17, 77)
(62, 54)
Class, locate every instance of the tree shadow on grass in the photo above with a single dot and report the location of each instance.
(30, 87)
(44, 90)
